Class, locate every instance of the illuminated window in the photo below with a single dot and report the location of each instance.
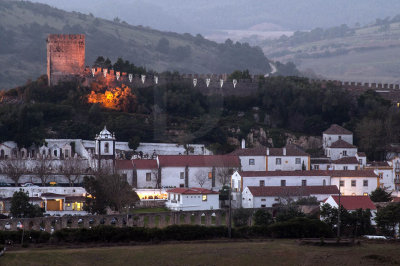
(204, 198)
(209, 175)
(365, 194)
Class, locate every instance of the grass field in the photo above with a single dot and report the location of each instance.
(277, 252)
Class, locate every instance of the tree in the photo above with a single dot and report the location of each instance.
(201, 177)
(156, 178)
(388, 219)
(43, 169)
(72, 169)
(21, 208)
(241, 217)
(14, 169)
(163, 46)
(262, 217)
(307, 201)
(224, 175)
(134, 142)
(108, 191)
(380, 195)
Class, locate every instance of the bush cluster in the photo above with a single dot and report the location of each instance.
(299, 228)
(29, 236)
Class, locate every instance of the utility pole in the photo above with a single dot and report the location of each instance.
(339, 208)
(230, 213)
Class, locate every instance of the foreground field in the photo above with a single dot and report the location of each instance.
(277, 252)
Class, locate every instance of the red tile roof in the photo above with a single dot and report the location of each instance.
(199, 160)
(303, 191)
(352, 173)
(355, 202)
(341, 144)
(361, 154)
(346, 160)
(137, 163)
(337, 130)
(191, 191)
(291, 150)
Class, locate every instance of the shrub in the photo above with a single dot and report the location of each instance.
(241, 217)
(299, 228)
(262, 217)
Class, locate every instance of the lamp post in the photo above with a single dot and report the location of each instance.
(230, 213)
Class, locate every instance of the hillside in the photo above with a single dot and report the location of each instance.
(25, 25)
(367, 54)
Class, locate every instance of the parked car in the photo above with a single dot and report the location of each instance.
(91, 221)
(114, 220)
(20, 226)
(80, 221)
(29, 185)
(7, 226)
(2, 184)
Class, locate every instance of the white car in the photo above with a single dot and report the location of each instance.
(29, 185)
(7, 226)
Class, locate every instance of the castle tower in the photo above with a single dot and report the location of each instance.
(65, 56)
(105, 148)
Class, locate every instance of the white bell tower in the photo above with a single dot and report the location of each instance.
(105, 147)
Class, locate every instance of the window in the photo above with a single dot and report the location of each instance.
(344, 153)
(251, 161)
(340, 137)
(55, 152)
(341, 183)
(262, 183)
(204, 197)
(263, 200)
(353, 183)
(179, 197)
(209, 175)
(283, 183)
(263, 206)
(345, 168)
(360, 161)
(182, 175)
(365, 194)
(365, 183)
(298, 161)
(329, 138)
(278, 161)
(276, 199)
(106, 148)
(148, 177)
(316, 167)
(304, 182)
(181, 185)
(324, 182)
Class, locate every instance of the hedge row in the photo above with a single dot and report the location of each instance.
(295, 228)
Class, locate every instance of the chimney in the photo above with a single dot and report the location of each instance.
(267, 151)
(284, 151)
(243, 144)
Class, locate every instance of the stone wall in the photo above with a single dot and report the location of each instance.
(65, 56)
(150, 220)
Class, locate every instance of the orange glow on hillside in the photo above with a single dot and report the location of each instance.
(121, 99)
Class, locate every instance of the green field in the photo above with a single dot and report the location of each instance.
(277, 252)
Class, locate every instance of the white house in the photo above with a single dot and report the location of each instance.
(140, 173)
(352, 203)
(335, 133)
(340, 149)
(345, 163)
(241, 180)
(262, 197)
(354, 182)
(209, 171)
(289, 158)
(192, 199)
(320, 163)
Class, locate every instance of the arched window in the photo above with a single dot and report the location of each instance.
(106, 148)
(324, 182)
(2, 154)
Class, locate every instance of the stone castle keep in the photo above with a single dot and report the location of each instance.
(66, 60)
(65, 56)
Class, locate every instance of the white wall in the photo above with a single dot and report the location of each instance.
(387, 180)
(259, 163)
(337, 153)
(193, 202)
(290, 180)
(328, 139)
(288, 163)
(359, 189)
(342, 166)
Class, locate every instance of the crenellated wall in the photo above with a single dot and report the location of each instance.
(151, 220)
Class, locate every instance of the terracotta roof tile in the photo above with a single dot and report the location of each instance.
(258, 151)
(346, 160)
(199, 160)
(191, 191)
(355, 202)
(137, 163)
(303, 191)
(352, 173)
(342, 144)
(337, 130)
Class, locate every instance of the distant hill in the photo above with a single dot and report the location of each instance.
(367, 54)
(25, 25)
